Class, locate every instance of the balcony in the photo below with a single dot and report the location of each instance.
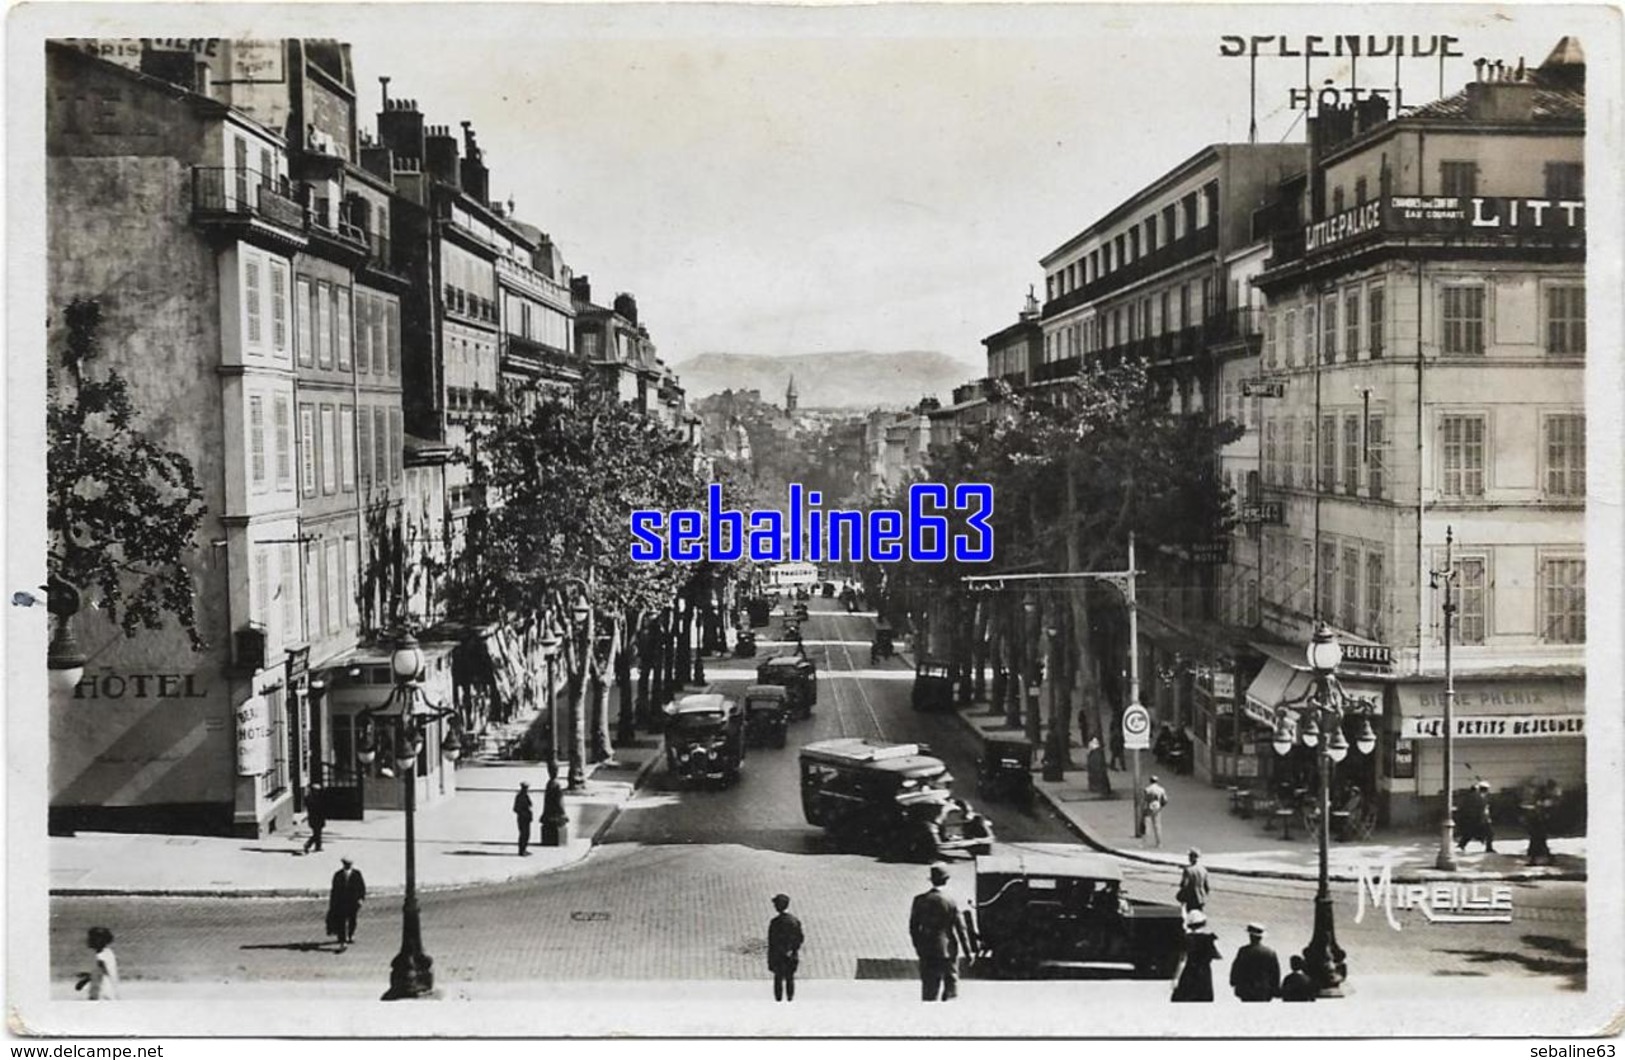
(382, 255)
(244, 202)
(1180, 250)
(538, 358)
(1064, 368)
(333, 228)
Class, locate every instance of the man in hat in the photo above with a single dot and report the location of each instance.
(938, 930)
(1152, 800)
(784, 939)
(1193, 883)
(315, 816)
(523, 815)
(344, 902)
(1255, 974)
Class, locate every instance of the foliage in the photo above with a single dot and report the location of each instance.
(123, 511)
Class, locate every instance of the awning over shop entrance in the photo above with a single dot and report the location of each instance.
(1275, 684)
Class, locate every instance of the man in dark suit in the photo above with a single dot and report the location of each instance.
(344, 902)
(784, 940)
(938, 930)
(315, 815)
(1255, 975)
(523, 814)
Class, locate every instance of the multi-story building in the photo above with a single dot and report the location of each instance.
(619, 350)
(1426, 322)
(174, 212)
(1151, 281)
(1013, 354)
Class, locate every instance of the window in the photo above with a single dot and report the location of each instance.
(1375, 457)
(279, 310)
(324, 325)
(303, 311)
(1117, 251)
(283, 421)
(352, 578)
(1326, 596)
(341, 322)
(1472, 600)
(1133, 244)
(256, 441)
(347, 448)
(364, 443)
(252, 293)
(1150, 234)
(395, 445)
(307, 450)
(1269, 452)
(1170, 230)
(1270, 359)
(1337, 200)
(366, 307)
(1374, 588)
(1351, 456)
(1463, 319)
(1458, 179)
(1328, 334)
(315, 594)
(1185, 305)
(1308, 335)
(1350, 570)
(1565, 180)
(1351, 324)
(1375, 322)
(1563, 601)
(1290, 339)
(1188, 208)
(333, 582)
(1307, 478)
(1566, 319)
(288, 589)
(259, 591)
(1328, 454)
(380, 441)
(330, 454)
(1359, 191)
(391, 338)
(1303, 587)
(1463, 456)
(1289, 450)
(1566, 456)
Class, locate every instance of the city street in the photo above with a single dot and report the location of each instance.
(679, 887)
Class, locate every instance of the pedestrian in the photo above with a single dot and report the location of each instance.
(1095, 763)
(1297, 986)
(1193, 883)
(103, 978)
(344, 902)
(315, 816)
(523, 813)
(1195, 982)
(1473, 820)
(1538, 821)
(937, 928)
(1117, 742)
(784, 939)
(1153, 799)
(1255, 974)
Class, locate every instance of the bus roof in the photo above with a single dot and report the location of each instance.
(904, 758)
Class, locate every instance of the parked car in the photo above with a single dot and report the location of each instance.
(705, 738)
(933, 685)
(798, 675)
(1006, 768)
(767, 715)
(1038, 913)
(745, 644)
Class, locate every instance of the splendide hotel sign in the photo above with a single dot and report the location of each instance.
(1499, 727)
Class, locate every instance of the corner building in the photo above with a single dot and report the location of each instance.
(1426, 317)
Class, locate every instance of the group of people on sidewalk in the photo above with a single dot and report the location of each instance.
(1255, 974)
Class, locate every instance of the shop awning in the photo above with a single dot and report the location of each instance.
(1275, 684)
(1514, 707)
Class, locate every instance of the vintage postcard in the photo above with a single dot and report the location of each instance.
(602, 519)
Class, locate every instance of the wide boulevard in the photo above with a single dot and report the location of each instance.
(679, 886)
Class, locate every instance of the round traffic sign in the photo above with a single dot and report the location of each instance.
(1136, 721)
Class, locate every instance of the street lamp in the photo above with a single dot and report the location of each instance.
(64, 658)
(411, 973)
(1320, 728)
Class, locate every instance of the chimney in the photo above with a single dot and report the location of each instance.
(1501, 101)
(440, 156)
(627, 306)
(476, 178)
(204, 82)
(581, 289)
(383, 86)
(400, 128)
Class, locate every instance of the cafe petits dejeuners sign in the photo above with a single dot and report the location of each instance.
(1496, 727)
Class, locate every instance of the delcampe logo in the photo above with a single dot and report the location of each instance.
(1440, 903)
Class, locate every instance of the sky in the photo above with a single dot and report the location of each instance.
(773, 180)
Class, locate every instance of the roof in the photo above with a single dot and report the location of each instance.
(1016, 861)
(793, 662)
(701, 703)
(904, 758)
(1550, 105)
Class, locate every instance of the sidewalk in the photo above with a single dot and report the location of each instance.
(1198, 815)
(463, 840)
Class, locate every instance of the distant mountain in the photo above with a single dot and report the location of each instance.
(856, 380)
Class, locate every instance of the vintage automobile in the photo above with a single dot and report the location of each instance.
(797, 675)
(1006, 768)
(895, 796)
(1041, 913)
(933, 685)
(881, 646)
(767, 715)
(801, 612)
(705, 738)
(745, 644)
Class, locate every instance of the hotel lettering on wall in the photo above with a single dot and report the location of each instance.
(141, 686)
(1348, 47)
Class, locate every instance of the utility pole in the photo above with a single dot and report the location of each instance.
(1446, 861)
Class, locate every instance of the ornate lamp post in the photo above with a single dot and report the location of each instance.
(411, 716)
(1319, 726)
(555, 821)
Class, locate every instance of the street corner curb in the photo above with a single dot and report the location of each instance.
(637, 784)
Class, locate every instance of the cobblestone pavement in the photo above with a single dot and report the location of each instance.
(680, 888)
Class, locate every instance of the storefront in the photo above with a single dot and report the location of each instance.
(360, 681)
(1227, 737)
(1509, 731)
